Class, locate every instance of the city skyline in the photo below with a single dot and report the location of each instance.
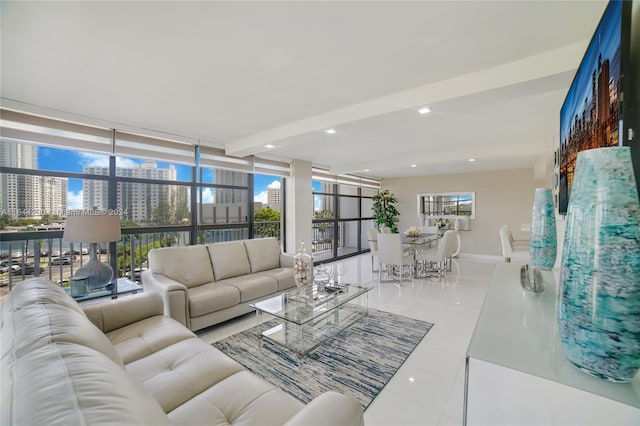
(69, 161)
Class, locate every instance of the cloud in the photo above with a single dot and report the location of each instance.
(207, 195)
(261, 197)
(274, 185)
(89, 159)
(74, 200)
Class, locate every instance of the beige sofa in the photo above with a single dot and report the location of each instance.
(203, 285)
(123, 362)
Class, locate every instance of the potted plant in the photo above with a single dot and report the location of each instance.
(385, 211)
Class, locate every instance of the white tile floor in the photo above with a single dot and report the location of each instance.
(428, 389)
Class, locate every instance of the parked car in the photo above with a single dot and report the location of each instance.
(64, 260)
(29, 269)
(7, 263)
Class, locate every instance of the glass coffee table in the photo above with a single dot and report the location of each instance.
(305, 321)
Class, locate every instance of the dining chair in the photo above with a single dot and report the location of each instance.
(516, 244)
(453, 247)
(430, 229)
(392, 255)
(373, 246)
(436, 256)
(507, 248)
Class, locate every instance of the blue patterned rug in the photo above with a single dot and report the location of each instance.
(358, 362)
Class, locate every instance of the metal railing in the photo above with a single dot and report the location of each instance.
(43, 253)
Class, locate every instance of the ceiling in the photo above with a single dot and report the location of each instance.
(242, 75)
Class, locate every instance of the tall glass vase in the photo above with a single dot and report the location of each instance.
(599, 295)
(302, 269)
(543, 243)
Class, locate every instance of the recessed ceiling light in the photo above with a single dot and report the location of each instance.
(330, 131)
(471, 160)
(269, 146)
(425, 110)
(366, 170)
(413, 165)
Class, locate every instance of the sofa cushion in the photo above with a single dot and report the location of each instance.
(147, 336)
(253, 286)
(69, 384)
(40, 290)
(229, 259)
(38, 325)
(189, 265)
(212, 297)
(240, 399)
(284, 276)
(179, 372)
(263, 253)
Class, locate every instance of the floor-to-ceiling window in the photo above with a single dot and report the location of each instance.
(342, 215)
(166, 190)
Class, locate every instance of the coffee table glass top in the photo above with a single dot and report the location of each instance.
(294, 308)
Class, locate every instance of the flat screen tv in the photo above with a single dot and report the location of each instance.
(592, 115)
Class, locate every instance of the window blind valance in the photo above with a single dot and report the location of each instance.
(28, 128)
(217, 158)
(141, 146)
(346, 179)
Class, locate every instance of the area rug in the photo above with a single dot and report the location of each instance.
(358, 362)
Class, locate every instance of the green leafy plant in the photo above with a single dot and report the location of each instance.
(385, 211)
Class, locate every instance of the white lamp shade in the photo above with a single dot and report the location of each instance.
(92, 228)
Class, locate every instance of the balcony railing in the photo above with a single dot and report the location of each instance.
(58, 260)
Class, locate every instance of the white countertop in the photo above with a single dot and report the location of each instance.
(517, 329)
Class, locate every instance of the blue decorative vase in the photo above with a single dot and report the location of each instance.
(543, 244)
(599, 295)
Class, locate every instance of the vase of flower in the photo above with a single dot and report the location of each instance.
(543, 242)
(599, 293)
(302, 268)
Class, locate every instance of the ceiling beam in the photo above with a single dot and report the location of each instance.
(535, 67)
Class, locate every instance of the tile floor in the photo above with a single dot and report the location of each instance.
(428, 389)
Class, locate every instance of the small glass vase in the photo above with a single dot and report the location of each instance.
(599, 294)
(302, 269)
(543, 243)
(321, 276)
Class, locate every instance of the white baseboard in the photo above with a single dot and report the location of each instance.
(475, 256)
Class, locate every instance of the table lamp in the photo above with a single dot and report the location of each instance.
(93, 229)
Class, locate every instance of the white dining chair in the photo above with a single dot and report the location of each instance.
(393, 257)
(507, 248)
(373, 246)
(436, 257)
(453, 247)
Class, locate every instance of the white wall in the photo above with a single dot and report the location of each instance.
(502, 197)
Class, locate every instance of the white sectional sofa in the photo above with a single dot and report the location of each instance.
(123, 362)
(202, 285)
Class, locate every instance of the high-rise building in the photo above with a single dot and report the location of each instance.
(273, 195)
(229, 205)
(230, 196)
(140, 202)
(26, 196)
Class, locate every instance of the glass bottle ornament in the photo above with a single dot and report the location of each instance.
(302, 268)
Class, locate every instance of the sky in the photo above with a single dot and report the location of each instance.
(72, 161)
